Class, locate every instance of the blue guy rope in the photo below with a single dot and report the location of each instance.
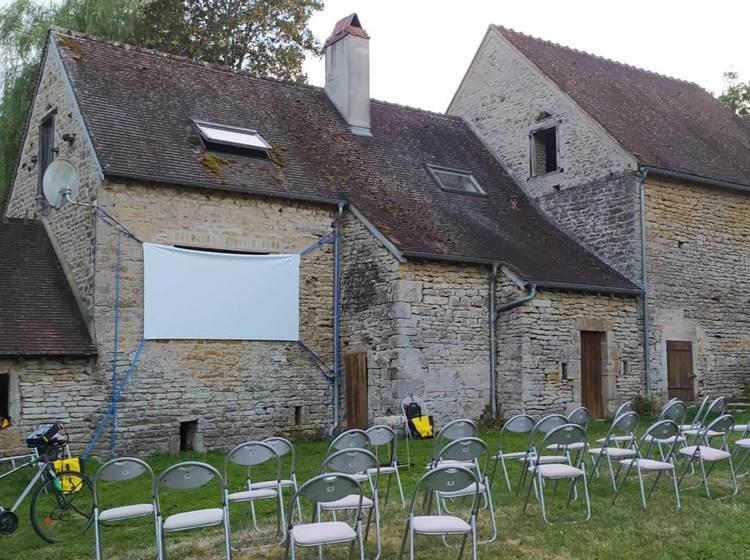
(116, 341)
(325, 240)
(317, 362)
(116, 396)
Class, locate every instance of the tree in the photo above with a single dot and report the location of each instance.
(267, 37)
(736, 95)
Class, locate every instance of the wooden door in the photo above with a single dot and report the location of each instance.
(591, 372)
(355, 379)
(680, 370)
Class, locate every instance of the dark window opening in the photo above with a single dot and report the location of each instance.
(297, 415)
(564, 370)
(5, 395)
(235, 150)
(544, 151)
(625, 367)
(46, 144)
(188, 435)
(225, 251)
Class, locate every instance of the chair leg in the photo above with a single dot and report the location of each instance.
(403, 540)
(676, 489)
(227, 535)
(653, 486)
(157, 525)
(541, 499)
(505, 473)
(705, 478)
(473, 537)
(97, 536)
(362, 544)
(640, 485)
(586, 495)
(735, 488)
(528, 494)
(463, 546)
(400, 486)
(624, 478)
(411, 543)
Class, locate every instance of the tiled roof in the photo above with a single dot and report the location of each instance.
(38, 314)
(138, 107)
(664, 122)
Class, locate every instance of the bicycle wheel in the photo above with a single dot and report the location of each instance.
(62, 507)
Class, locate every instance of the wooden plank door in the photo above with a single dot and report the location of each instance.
(680, 370)
(591, 372)
(355, 379)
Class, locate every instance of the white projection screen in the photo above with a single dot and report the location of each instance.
(219, 296)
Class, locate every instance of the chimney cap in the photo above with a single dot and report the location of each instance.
(347, 26)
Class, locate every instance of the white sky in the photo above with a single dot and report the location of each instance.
(420, 49)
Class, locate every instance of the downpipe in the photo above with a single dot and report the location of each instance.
(336, 318)
(644, 287)
(493, 342)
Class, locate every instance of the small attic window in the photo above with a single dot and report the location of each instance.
(544, 151)
(232, 139)
(455, 180)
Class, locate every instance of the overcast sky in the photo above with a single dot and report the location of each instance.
(420, 49)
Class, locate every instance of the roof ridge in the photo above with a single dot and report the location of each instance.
(502, 28)
(418, 109)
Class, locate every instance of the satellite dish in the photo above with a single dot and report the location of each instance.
(60, 183)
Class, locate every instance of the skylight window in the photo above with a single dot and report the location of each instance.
(231, 138)
(455, 180)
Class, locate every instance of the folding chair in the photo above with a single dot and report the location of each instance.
(661, 430)
(698, 418)
(704, 453)
(123, 469)
(623, 427)
(674, 410)
(461, 452)
(385, 436)
(353, 462)
(350, 439)
(624, 408)
(742, 444)
(580, 416)
(564, 436)
(322, 489)
(519, 424)
(411, 400)
(543, 426)
(456, 429)
(717, 407)
(283, 448)
(443, 478)
(253, 454)
(186, 476)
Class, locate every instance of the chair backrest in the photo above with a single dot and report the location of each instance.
(565, 436)
(698, 418)
(189, 475)
(518, 424)
(627, 406)
(349, 439)
(715, 407)
(327, 487)
(723, 424)
(352, 461)
(453, 430)
(251, 454)
(447, 479)
(624, 425)
(284, 447)
(675, 409)
(580, 416)
(383, 436)
(470, 449)
(659, 430)
(543, 426)
(123, 469)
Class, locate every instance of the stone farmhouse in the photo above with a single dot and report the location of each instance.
(465, 277)
(616, 155)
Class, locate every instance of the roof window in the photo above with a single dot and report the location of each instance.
(544, 151)
(233, 139)
(455, 180)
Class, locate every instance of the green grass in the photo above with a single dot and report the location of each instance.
(704, 529)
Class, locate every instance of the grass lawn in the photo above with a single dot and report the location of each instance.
(704, 529)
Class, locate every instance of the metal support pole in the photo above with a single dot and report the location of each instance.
(644, 287)
(116, 341)
(493, 342)
(336, 316)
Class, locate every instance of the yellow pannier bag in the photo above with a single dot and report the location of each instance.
(423, 425)
(69, 483)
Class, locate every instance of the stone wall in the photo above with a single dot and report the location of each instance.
(72, 227)
(52, 389)
(698, 272)
(234, 389)
(539, 351)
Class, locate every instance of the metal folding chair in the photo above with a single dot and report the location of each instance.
(456, 429)
(443, 478)
(704, 453)
(120, 470)
(674, 410)
(624, 408)
(660, 431)
(543, 426)
(742, 444)
(461, 452)
(564, 436)
(698, 418)
(350, 439)
(187, 476)
(715, 408)
(284, 448)
(518, 424)
(248, 455)
(354, 462)
(385, 437)
(322, 489)
(623, 427)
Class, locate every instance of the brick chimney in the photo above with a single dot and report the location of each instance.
(347, 53)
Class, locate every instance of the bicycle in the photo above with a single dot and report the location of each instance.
(62, 502)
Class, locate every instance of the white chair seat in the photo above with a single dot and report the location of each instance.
(468, 491)
(557, 470)
(666, 441)
(572, 447)
(452, 463)
(383, 470)
(126, 512)
(439, 525)
(648, 464)
(616, 452)
(285, 483)
(685, 427)
(347, 502)
(511, 455)
(744, 443)
(326, 532)
(194, 519)
(545, 459)
(739, 427)
(250, 495)
(706, 453)
(700, 432)
(618, 439)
